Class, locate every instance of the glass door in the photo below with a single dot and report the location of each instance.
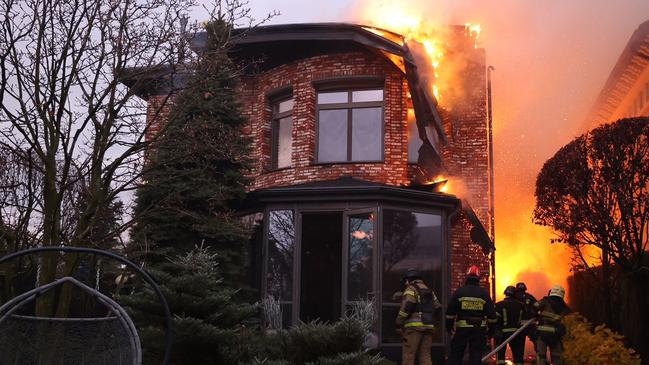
(320, 266)
(359, 256)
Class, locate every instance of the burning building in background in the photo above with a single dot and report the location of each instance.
(368, 161)
(626, 92)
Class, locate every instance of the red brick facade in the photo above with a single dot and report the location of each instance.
(466, 156)
(465, 123)
(300, 75)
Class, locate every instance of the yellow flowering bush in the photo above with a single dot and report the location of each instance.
(585, 345)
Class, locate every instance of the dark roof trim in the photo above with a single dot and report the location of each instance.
(479, 234)
(306, 31)
(351, 189)
(155, 80)
(424, 104)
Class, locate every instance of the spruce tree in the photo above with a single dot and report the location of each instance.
(207, 317)
(195, 180)
(196, 174)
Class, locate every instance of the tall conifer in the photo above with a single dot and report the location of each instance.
(188, 199)
(197, 175)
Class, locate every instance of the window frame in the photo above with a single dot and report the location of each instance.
(276, 117)
(443, 297)
(292, 317)
(349, 106)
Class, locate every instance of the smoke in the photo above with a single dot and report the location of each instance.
(551, 59)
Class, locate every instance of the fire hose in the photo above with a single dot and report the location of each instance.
(504, 343)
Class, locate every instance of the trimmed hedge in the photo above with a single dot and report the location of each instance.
(585, 345)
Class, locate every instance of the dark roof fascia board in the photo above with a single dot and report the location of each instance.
(155, 80)
(305, 31)
(356, 193)
(425, 108)
(481, 236)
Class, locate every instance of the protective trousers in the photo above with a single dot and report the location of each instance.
(474, 338)
(517, 345)
(553, 343)
(416, 341)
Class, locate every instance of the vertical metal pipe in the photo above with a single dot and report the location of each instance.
(491, 183)
(449, 268)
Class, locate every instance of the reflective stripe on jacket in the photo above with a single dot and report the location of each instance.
(470, 307)
(510, 313)
(550, 313)
(409, 316)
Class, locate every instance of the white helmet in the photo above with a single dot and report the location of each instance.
(557, 291)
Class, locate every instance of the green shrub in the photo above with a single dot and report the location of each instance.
(584, 345)
(354, 358)
(309, 342)
(314, 343)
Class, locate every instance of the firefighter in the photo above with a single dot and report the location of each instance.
(510, 313)
(550, 329)
(469, 313)
(415, 321)
(528, 301)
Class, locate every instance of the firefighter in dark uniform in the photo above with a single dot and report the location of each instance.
(550, 329)
(415, 321)
(510, 313)
(528, 301)
(469, 311)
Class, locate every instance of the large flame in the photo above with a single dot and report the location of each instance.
(413, 27)
(517, 259)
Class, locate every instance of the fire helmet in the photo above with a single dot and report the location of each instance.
(557, 291)
(521, 286)
(411, 274)
(510, 291)
(473, 271)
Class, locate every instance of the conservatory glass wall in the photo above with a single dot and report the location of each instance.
(317, 260)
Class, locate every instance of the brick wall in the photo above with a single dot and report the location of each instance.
(157, 112)
(466, 157)
(465, 123)
(300, 75)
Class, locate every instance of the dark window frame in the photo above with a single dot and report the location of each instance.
(444, 296)
(348, 208)
(349, 106)
(276, 116)
(295, 260)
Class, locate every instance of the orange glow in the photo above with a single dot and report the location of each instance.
(403, 20)
(518, 256)
(523, 249)
(473, 31)
(448, 185)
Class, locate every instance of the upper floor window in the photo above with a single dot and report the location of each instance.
(282, 129)
(350, 126)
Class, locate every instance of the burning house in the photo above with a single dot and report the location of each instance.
(360, 173)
